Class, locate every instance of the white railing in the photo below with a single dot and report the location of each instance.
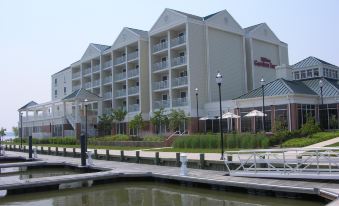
(178, 61)
(132, 55)
(160, 46)
(108, 95)
(178, 40)
(96, 68)
(107, 80)
(179, 102)
(133, 72)
(120, 93)
(120, 60)
(160, 65)
(179, 81)
(120, 76)
(161, 104)
(96, 83)
(133, 108)
(87, 71)
(75, 75)
(87, 85)
(133, 90)
(76, 88)
(160, 85)
(107, 111)
(107, 64)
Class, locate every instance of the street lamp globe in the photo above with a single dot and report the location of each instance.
(321, 83)
(196, 91)
(262, 82)
(218, 78)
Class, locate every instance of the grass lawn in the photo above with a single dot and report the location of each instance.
(333, 145)
(313, 139)
(190, 150)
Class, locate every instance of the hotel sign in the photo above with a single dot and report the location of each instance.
(264, 62)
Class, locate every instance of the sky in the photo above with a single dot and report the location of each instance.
(39, 37)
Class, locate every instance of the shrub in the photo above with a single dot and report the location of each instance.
(312, 139)
(310, 127)
(153, 139)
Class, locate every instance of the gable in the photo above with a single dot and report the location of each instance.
(224, 21)
(264, 33)
(168, 18)
(125, 37)
(90, 53)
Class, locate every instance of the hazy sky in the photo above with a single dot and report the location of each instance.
(39, 37)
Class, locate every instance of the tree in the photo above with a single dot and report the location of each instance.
(333, 122)
(158, 118)
(175, 118)
(16, 131)
(105, 124)
(119, 115)
(137, 123)
(2, 133)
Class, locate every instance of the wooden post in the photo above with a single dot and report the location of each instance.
(96, 154)
(74, 152)
(137, 155)
(56, 151)
(122, 156)
(64, 152)
(41, 149)
(202, 161)
(107, 154)
(49, 150)
(24, 148)
(177, 157)
(157, 159)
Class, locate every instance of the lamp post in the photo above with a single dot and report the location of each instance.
(86, 135)
(21, 130)
(262, 82)
(218, 79)
(196, 96)
(321, 84)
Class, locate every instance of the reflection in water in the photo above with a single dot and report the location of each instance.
(147, 194)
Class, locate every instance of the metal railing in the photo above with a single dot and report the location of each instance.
(107, 64)
(133, 73)
(160, 46)
(96, 68)
(160, 65)
(87, 71)
(75, 75)
(96, 83)
(120, 93)
(161, 104)
(120, 76)
(160, 85)
(132, 55)
(178, 40)
(179, 81)
(120, 60)
(107, 111)
(133, 108)
(178, 61)
(87, 85)
(179, 102)
(107, 80)
(108, 95)
(133, 90)
(74, 88)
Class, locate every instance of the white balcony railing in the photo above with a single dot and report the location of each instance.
(87, 85)
(160, 46)
(75, 75)
(76, 87)
(120, 76)
(160, 85)
(120, 60)
(178, 40)
(95, 83)
(87, 71)
(132, 55)
(133, 90)
(133, 73)
(179, 102)
(179, 81)
(120, 93)
(107, 80)
(107, 111)
(96, 68)
(162, 104)
(160, 65)
(133, 108)
(178, 61)
(108, 95)
(107, 64)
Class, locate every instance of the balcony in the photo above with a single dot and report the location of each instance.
(132, 55)
(96, 68)
(160, 46)
(160, 85)
(107, 80)
(180, 102)
(120, 60)
(107, 64)
(87, 71)
(96, 83)
(120, 76)
(179, 81)
(75, 75)
(107, 95)
(120, 93)
(133, 108)
(133, 73)
(133, 90)
(178, 40)
(178, 61)
(107, 111)
(77, 87)
(87, 85)
(160, 65)
(162, 104)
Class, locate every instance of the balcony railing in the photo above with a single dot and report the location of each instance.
(160, 46)
(107, 64)
(107, 80)
(96, 68)
(162, 104)
(179, 81)
(120, 76)
(132, 55)
(133, 90)
(133, 108)
(120, 93)
(120, 60)
(179, 102)
(178, 40)
(96, 83)
(108, 95)
(107, 111)
(160, 65)
(87, 85)
(77, 87)
(75, 75)
(178, 61)
(160, 85)
(87, 71)
(133, 73)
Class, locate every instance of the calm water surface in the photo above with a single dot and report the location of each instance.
(147, 194)
(22, 173)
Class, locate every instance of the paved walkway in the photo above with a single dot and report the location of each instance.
(325, 143)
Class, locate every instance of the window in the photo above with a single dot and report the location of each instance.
(65, 90)
(124, 103)
(182, 94)
(182, 54)
(123, 70)
(55, 93)
(136, 83)
(137, 101)
(309, 73)
(336, 74)
(183, 73)
(164, 97)
(181, 34)
(137, 66)
(124, 86)
(55, 81)
(325, 72)
(163, 41)
(163, 59)
(164, 78)
(316, 72)
(303, 74)
(296, 75)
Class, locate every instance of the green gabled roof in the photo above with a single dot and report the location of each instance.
(81, 95)
(29, 104)
(309, 62)
(330, 87)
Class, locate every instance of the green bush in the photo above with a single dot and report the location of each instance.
(109, 138)
(312, 139)
(153, 139)
(49, 140)
(310, 127)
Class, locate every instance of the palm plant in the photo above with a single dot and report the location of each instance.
(119, 115)
(137, 123)
(105, 123)
(176, 117)
(158, 118)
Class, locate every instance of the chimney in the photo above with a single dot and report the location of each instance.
(283, 71)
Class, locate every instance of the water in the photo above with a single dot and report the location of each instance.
(147, 194)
